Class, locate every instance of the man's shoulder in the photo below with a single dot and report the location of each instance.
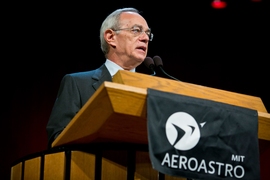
(87, 73)
(82, 73)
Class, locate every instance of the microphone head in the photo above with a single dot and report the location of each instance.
(148, 62)
(157, 61)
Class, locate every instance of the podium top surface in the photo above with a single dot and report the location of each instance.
(147, 81)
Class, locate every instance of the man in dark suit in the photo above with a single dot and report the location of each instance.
(124, 38)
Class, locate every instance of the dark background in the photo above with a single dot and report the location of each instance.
(221, 48)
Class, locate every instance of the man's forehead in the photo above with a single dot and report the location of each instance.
(132, 18)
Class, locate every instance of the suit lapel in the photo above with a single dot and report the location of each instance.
(100, 75)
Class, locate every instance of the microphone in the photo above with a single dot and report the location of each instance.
(159, 64)
(149, 63)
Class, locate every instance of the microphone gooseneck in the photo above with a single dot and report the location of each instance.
(149, 63)
(159, 64)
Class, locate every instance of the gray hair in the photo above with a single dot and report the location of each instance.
(112, 22)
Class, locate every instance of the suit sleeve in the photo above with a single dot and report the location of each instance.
(67, 104)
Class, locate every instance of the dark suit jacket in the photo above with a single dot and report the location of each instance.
(75, 89)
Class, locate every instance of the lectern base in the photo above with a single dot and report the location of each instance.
(108, 161)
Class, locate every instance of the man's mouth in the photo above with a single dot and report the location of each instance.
(142, 48)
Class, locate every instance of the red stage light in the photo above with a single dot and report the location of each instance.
(218, 4)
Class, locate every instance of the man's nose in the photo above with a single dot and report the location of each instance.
(144, 35)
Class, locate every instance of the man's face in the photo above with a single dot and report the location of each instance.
(130, 47)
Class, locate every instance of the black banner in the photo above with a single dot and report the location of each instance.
(202, 139)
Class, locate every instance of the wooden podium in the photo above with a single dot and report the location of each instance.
(110, 132)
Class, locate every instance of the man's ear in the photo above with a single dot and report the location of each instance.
(109, 36)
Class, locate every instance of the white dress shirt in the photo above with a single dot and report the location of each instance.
(113, 68)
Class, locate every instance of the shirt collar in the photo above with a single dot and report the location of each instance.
(113, 67)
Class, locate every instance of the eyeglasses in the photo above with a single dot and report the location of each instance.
(136, 30)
